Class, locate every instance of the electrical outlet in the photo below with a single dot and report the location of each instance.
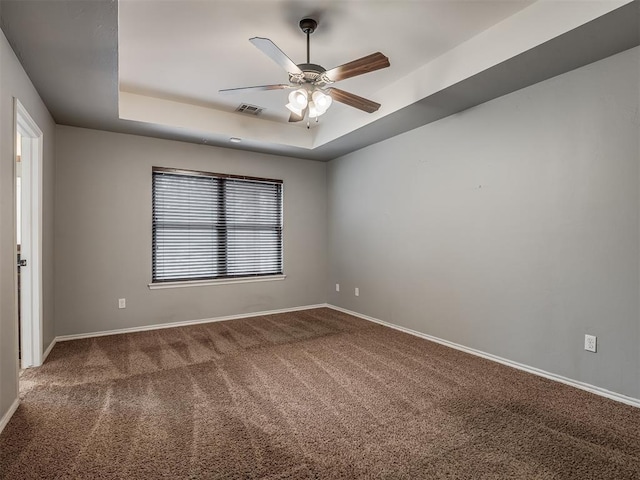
(337, 287)
(357, 292)
(590, 343)
(122, 303)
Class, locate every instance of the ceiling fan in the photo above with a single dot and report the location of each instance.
(312, 93)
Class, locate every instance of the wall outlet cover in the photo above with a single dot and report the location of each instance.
(590, 343)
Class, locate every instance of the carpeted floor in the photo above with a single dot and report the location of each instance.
(312, 394)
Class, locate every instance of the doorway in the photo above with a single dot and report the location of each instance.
(28, 187)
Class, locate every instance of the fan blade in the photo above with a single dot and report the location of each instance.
(274, 53)
(353, 100)
(257, 88)
(297, 118)
(367, 64)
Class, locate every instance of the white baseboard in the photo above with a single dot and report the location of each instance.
(536, 371)
(7, 416)
(158, 326)
(48, 350)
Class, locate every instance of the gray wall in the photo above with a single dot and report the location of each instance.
(15, 83)
(103, 232)
(511, 228)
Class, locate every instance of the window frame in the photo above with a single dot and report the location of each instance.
(219, 279)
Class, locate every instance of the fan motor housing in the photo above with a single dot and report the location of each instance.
(311, 73)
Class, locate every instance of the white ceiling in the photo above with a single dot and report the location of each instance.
(188, 50)
(153, 67)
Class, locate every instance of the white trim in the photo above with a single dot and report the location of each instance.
(510, 363)
(48, 350)
(159, 326)
(222, 281)
(7, 416)
(31, 277)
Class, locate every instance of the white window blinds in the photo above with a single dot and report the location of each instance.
(211, 226)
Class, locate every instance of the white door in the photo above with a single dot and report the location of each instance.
(29, 223)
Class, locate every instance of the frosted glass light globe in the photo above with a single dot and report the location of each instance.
(298, 98)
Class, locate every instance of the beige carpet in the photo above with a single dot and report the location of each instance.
(313, 394)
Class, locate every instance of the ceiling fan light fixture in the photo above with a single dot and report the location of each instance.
(299, 99)
(294, 109)
(313, 111)
(321, 100)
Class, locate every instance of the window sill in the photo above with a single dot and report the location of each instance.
(222, 281)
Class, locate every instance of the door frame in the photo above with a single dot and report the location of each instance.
(31, 233)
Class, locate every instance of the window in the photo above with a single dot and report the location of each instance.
(212, 226)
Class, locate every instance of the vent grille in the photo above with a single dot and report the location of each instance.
(249, 109)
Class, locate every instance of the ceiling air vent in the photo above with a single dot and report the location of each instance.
(249, 109)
